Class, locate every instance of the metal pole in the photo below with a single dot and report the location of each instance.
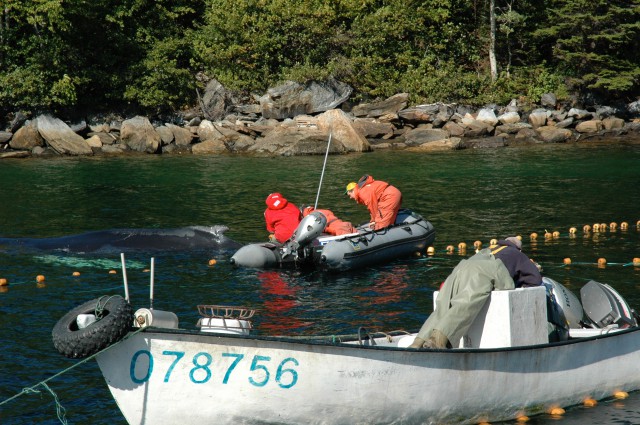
(151, 284)
(326, 155)
(124, 278)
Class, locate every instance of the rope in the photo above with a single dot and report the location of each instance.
(101, 305)
(60, 410)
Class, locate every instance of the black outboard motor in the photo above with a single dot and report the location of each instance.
(604, 306)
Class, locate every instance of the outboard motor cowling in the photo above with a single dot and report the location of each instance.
(604, 306)
(565, 304)
(309, 228)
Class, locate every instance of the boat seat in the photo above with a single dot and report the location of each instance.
(507, 320)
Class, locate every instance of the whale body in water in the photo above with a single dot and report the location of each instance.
(192, 238)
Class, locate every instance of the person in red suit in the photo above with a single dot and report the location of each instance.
(335, 226)
(282, 217)
(381, 199)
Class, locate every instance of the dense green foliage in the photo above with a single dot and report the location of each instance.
(146, 54)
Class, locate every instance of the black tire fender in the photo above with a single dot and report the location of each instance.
(117, 320)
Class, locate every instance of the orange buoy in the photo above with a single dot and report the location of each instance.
(621, 395)
(602, 262)
(603, 227)
(450, 248)
(624, 225)
(430, 251)
(212, 262)
(589, 402)
(556, 234)
(533, 236)
(567, 261)
(4, 282)
(462, 246)
(638, 224)
(586, 228)
(556, 411)
(40, 278)
(493, 241)
(76, 273)
(477, 244)
(112, 272)
(572, 230)
(636, 261)
(522, 418)
(596, 227)
(613, 226)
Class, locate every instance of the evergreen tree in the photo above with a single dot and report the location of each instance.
(596, 43)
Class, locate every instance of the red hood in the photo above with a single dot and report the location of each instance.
(276, 201)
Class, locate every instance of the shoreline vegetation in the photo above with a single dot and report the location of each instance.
(297, 119)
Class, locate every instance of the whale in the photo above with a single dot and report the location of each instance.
(191, 238)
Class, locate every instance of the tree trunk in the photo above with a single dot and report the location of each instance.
(492, 40)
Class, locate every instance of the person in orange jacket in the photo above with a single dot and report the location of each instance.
(282, 217)
(381, 199)
(335, 226)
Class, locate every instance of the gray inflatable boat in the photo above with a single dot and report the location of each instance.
(309, 247)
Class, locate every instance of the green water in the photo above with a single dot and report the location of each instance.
(468, 195)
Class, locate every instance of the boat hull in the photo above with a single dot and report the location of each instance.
(174, 376)
(411, 235)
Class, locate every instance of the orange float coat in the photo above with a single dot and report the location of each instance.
(335, 226)
(281, 216)
(381, 199)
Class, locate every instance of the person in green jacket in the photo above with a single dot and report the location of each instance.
(461, 298)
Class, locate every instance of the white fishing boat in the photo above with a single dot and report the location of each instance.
(504, 368)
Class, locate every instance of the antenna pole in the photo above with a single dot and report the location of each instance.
(326, 155)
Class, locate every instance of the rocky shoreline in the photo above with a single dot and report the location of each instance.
(295, 119)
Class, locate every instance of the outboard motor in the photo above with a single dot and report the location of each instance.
(604, 306)
(309, 228)
(566, 303)
(563, 310)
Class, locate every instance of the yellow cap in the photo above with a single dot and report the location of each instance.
(350, 187)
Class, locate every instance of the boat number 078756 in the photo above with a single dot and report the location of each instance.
(201, 372)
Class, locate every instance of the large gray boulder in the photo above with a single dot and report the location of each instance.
(293, 140)
(59, 136)
(209, 147)
(217, 101)
(449, 144)
(391, 105)
(336, 123)
(371, 128)
(291, 99)
(420, 136)
(551, 134)
(27, 137)
(5, 136)
(139, 135)
(181, 136)
(591, 126)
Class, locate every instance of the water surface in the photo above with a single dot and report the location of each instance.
(468, 195)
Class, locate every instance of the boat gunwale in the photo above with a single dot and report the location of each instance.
(347, 341)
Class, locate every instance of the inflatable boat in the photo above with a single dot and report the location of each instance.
(309, 247)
